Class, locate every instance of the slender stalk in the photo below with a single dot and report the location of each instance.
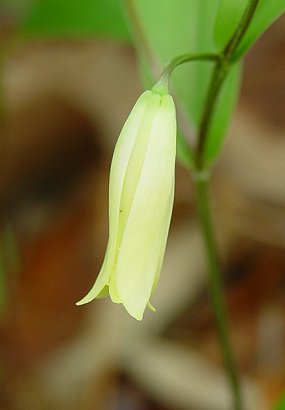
(245, 21)
(202, 185)
(216, 287)
(162, 83)
(218, 77)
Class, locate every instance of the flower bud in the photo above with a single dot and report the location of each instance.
(141, 191)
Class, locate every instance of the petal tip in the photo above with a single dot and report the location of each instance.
(151, 307)
(83, 301)
(135, 313)
(139, 317)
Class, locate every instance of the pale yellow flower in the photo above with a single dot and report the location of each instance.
(141, 193)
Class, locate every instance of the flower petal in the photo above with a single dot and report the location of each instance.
(144, 237)
(128, 185)
(119, 165)
(100, 283)
(163, 243)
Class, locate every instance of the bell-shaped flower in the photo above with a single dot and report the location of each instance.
(141, 193)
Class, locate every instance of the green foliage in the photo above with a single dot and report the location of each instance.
(187, 26)
(76, 18)
(266, 13)
(222, 114)
(173, 28)
(229, 15)
(228, 18)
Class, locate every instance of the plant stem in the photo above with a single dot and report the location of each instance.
(162, 83)
(201, 178)
(245, 21)
(219, 75)
(216, 286)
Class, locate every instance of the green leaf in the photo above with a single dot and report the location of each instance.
(173, 28)
(225, 105)
(76, 18)
(266, 13)
(228, 18)
(187, 26)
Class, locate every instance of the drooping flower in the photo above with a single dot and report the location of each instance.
(141, 191)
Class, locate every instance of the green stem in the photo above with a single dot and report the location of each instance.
(202, 185)
(162, 83)
(218, 77)
(244, 23)
(216, 286)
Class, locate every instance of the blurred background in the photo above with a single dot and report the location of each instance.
(68, 79)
